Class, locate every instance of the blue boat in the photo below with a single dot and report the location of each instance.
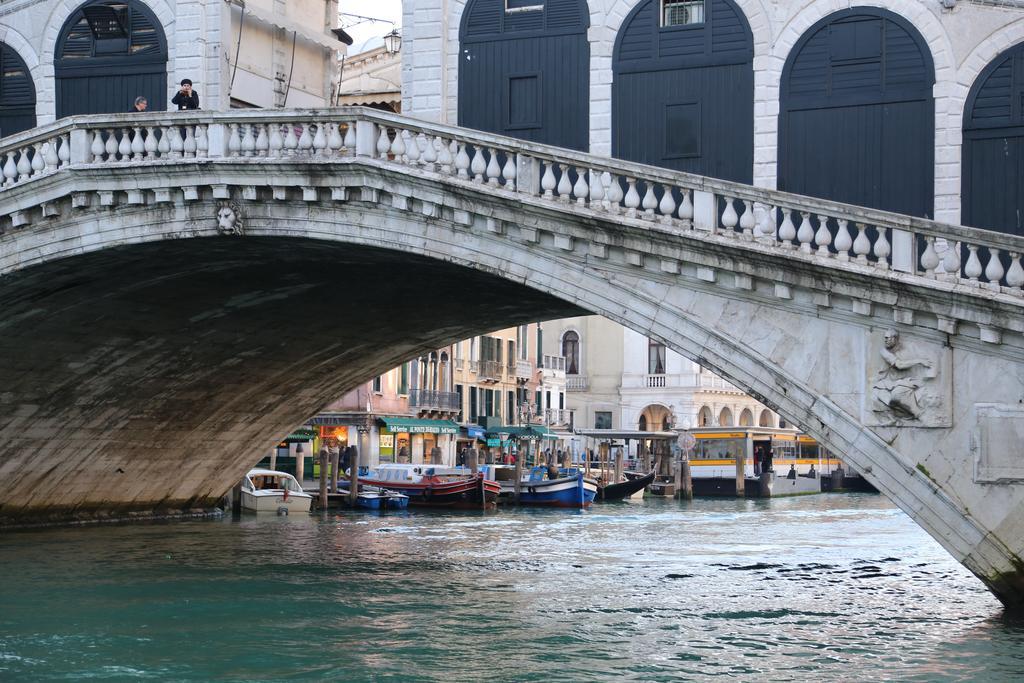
(565, 492)
(374, 498)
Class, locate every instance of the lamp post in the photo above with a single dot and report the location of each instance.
(393, 41)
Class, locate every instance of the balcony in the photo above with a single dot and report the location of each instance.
(426, 399)
(576, 383)
(557, 417)
(460, 363)
(524, 369)
(490, 371)
(655, 381)
(554, 363)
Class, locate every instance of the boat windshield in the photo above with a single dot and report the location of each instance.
(271, 482)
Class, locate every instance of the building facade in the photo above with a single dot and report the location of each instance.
(907, 105)
(64, 57)
(619, 379)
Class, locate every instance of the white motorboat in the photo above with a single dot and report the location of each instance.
(269, 490)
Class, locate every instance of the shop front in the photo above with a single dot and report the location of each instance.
(418, 441)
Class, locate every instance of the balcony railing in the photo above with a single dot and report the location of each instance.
(524, 369)
(576, 383)
(511, 369)
(427, 399)
(655, 381)
(558, 417)
(460, 363)
(554, 363)
(490, 369)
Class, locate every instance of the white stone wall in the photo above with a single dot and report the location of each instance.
(962, 41)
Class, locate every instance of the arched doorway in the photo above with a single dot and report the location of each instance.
(17, 93)
(571, 352)
(108, 53)
(725, 418)
(766, 419)
(524, 70)
(993, 154)
(746, 418)
(655, 418)
(857, 119)
(705, 418)
(683, 89)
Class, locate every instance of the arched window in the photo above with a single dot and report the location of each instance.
(524, 70)
(725, 418)
(746, 418)
(766, 419)
(643, 423)
(705, 417)
(17, 93)
(108, 53)
(993, 161)
(571, 352)
(857, 118)
(655, 358)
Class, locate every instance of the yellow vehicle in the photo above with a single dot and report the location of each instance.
(717, 448)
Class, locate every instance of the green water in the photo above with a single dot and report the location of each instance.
(811, 588)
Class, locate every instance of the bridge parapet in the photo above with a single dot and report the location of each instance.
(808, 229)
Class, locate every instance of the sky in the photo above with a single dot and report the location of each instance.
(368, 34)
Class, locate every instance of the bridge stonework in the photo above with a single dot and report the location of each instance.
(172, 307)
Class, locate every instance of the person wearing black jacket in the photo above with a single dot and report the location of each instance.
(186, 97)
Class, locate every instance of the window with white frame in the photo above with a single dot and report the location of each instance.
(682, 12)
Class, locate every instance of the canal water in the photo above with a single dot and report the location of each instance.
(815, 588)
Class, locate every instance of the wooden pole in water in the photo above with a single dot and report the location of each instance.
(353, 486)
(323, 479)
(335, 452)
(741, 475)
(618, 466)
(520, 454)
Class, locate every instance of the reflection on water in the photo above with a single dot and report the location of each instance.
(808, 588)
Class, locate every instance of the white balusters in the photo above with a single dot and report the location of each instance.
(805, 235)
(247, 145)
(1015, 273)
(493, 168)
(163, 146)
(580, 190)
(320, 141)
(350, 137)
(650, 202)
(973, 267)
(261, 146)
(509, 171)
(97, 148)
(632, 200)
(202, 142)
(444, 155)
(787, 231)
(64, 152)
(398, 146)
(124, 145)
(547, 181)
(335, 142)
(291, 140)
(686, 210)
(729, 217)
(412, 151)
(462, 162)
(861, 244)
(150, 143)
(478, 165)
(844, 242)
(112, 145)
(304, 145)
(882, 250)
(597, 190)
(564, 184)
(177, 144)
(667, 205)
(747, 221)
(613, 193)
(138, 146)
(24, 165)
(188, 145)
(276, 143)
(823, 237)
(38, 164)
(951, 260)
(10, 169)
(994, 270)
(929, 257)
(430, 152)
(50, 155)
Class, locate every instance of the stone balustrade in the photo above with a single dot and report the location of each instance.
(803, 227)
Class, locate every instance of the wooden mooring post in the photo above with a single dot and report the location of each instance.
(353, 485)
(324, 459)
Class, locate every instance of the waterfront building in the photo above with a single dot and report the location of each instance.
(905, 105)
(372, 78)
(619, 379)
(64, 57)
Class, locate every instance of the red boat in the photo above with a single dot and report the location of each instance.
(436, 486)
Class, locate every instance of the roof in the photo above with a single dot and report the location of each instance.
(625, 434)
(259, 471)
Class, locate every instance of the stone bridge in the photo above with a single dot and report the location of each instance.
(179, 291)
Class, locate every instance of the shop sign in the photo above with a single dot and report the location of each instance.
(387, 440)
(493, 443)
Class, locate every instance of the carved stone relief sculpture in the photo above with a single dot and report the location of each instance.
(909, 384)
(229, 219)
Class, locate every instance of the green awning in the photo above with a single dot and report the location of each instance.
(300, 435)
(411, 425)
(531, 433)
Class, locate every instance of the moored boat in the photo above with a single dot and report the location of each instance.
(376, 498)
(435, 486)
(571, 491)
(623, 489)
(270, 490)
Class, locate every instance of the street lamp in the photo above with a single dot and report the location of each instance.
(393, 41)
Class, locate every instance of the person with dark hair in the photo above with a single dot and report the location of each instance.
(140, 105)
(186, 97)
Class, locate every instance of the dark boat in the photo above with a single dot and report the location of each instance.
(435, 486)
(623, 489)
